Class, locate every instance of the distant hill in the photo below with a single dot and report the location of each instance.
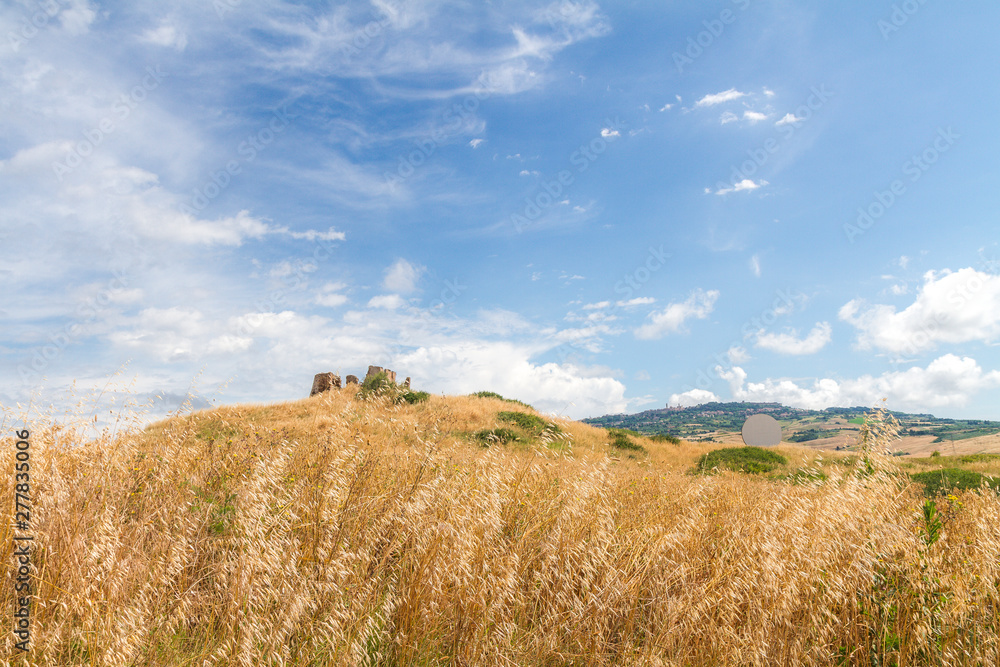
(833, 428)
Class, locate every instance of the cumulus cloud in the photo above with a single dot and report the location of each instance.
(672, 318)
(719, 98)
(691, 398)
(737, 355)
(465, 367)
(950, 307)
(329, 295)
(948, 381)
(388, 301)
(790, 343)
(754, 116)
(402, 277)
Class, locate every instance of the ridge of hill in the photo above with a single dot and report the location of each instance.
(832, 428)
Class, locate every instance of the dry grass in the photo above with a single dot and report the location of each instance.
(335, 531)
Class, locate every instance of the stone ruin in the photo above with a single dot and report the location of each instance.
(327, 381)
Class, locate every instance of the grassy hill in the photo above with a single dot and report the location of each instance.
(351, 530)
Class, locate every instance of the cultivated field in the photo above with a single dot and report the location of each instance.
(339, 530)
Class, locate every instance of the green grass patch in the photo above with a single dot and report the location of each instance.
(753, 460)
(496, 436)
(493, 394)
(522, 419)
(803, 476)
(665, 437)
(857, 420)
(936, 482)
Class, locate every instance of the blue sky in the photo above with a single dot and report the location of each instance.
(594, 208)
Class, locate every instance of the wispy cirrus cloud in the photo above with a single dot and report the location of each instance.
(719, 98)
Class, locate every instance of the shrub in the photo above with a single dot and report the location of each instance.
(380, 385)
(496, 436)
(415, 396)
(620, 440)
(942, 481)
(935, 453)
(752, 460)
(664, 437)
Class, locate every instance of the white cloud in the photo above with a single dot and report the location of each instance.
(330, 300)
(637, 301)
(737, 355)
(387, 301)
(329, 295)
(746, 185)
(402, 277)
(505, 368)
(789, 119)
(672, 318)
(728, 117)
(666, 107)
(755, 265)
(311, 234)
(948, 381)
(950, 307)
(476, 142)
(790, 343)
(754, 116)
(525, 172)
(165, 35)
(691, 398)
(596, 306)
(642, 376)
(77, 17)
(607, 132)
(719, 98)
(229, 344)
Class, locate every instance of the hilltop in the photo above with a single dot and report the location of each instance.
(365, 528)
(832, 428)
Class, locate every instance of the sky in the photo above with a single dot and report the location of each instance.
(592, 207)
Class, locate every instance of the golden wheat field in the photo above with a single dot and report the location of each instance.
(339, 530)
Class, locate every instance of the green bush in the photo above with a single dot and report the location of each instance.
(620, 440)
(664, 437)
(380, 385)
(493, 394)
(415, 396)
(752, 460)
(942, 481)
(496, 436)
